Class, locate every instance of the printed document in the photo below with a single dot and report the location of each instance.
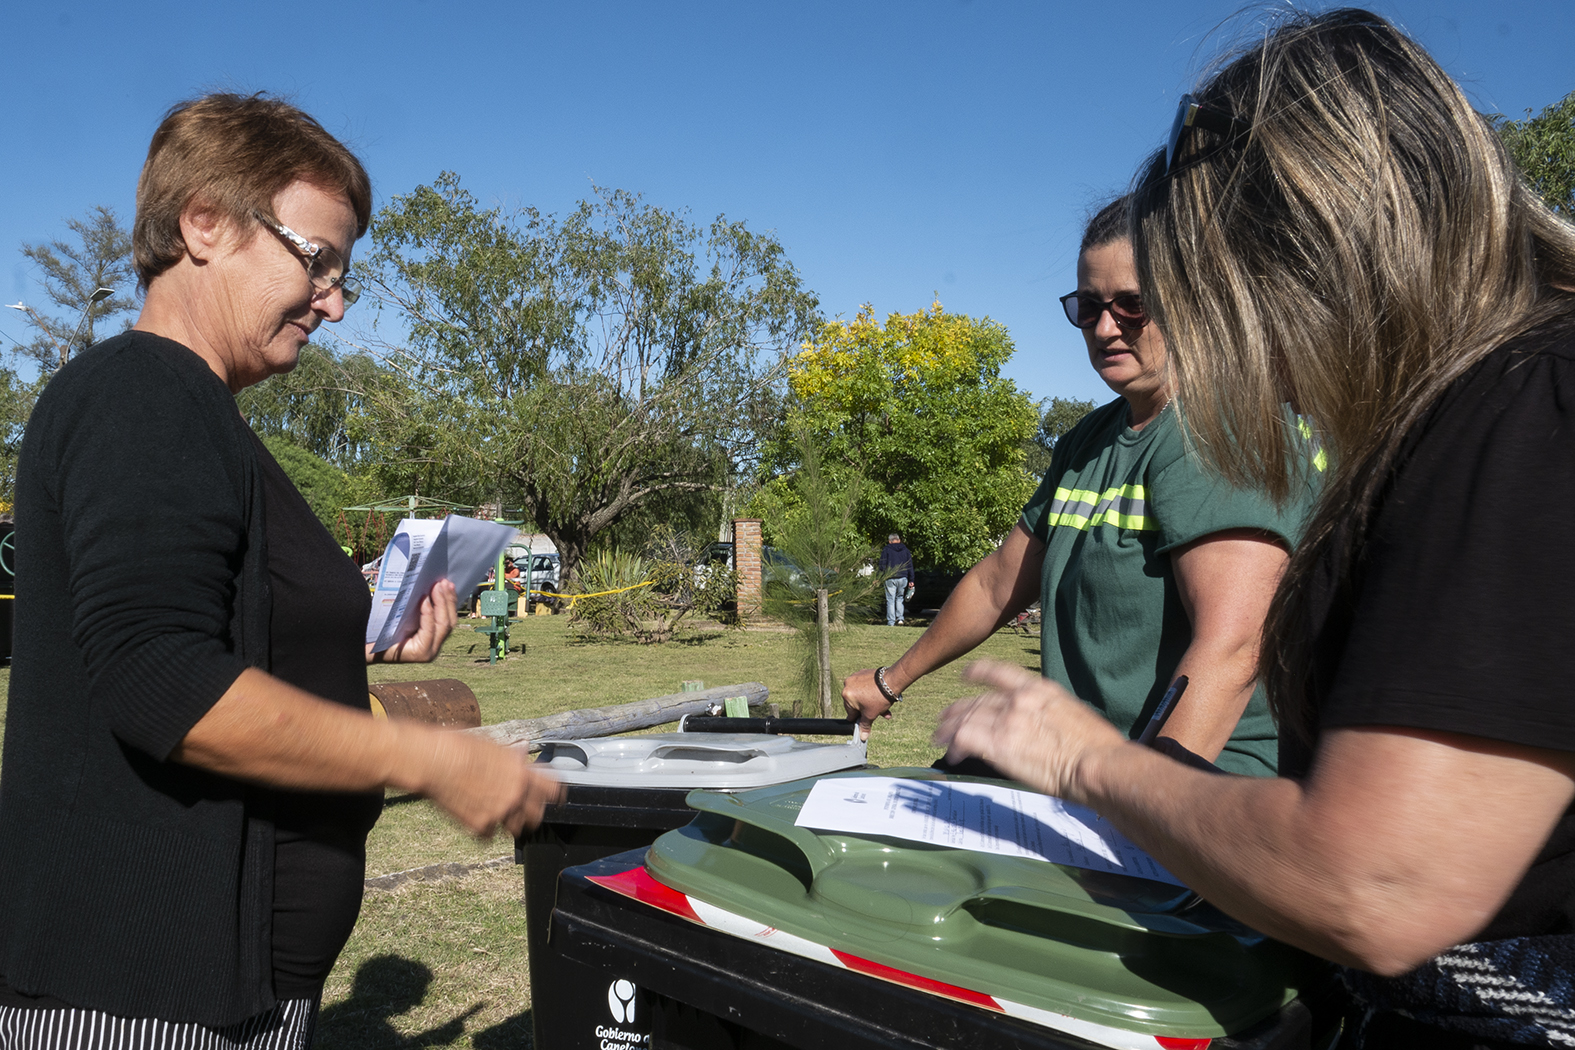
(989, 818)
(421, 553)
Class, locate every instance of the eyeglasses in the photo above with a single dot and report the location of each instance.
(1084, 310)
(1190, 113)
(324, 267)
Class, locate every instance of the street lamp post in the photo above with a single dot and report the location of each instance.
(98, 296)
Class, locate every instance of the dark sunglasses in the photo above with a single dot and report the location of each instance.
(1084, 310)
(1190, 113)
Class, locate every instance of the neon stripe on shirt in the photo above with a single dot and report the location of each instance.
(1122, 506)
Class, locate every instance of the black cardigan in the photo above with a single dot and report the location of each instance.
(129, 883)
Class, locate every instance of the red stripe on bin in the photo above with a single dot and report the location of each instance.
(638, 884)
(913, 980)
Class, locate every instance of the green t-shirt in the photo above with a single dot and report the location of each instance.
(1113, 504)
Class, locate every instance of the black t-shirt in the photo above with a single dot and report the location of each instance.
(1460, 615)
(317, 643)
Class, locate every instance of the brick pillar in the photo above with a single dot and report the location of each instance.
(746, 559)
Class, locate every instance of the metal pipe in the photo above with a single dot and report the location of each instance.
(793, 726)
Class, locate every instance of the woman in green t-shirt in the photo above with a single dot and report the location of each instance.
(1147, 565)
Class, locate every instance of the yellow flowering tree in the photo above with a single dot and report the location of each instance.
(915, 405)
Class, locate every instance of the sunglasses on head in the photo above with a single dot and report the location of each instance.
(1083, 310)
(1191, 113)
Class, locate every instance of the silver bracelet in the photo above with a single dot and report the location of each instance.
(885, 690)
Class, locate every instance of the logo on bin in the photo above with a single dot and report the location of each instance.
(620, 1000)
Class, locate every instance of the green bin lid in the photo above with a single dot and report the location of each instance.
(1111, 950)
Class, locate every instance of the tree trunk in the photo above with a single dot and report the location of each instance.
(823, 651)
(617, 718)
(570, 554)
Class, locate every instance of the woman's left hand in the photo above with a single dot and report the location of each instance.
(437, 623)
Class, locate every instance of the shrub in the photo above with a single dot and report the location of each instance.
(647, 598)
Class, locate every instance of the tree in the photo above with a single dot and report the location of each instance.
(71, 273)
(579, 368)
(1544, 148)
(318, 405)
(646, 597)
(16, 405)
(829, 568)
(916, 406)
(1057, 416)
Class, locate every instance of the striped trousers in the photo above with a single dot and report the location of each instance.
(288, 1026)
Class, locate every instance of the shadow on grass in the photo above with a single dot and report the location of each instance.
(699, 639)
(513, 1033)
(386, 986)
(399, 800)
(485, 658)
(690, 639)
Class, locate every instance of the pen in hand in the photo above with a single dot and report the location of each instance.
(1167, 704)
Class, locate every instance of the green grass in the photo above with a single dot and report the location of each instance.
(444, 964)
(434, 964)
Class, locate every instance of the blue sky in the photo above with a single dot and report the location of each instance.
(899, 150)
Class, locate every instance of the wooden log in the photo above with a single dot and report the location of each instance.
(617, 718)
(440, 701)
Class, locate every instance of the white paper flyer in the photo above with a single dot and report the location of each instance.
(421, 553)
(989, 818)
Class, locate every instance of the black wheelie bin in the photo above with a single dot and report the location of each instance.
(622, 792)
(744, 930)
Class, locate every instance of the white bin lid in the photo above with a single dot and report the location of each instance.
(695, 760)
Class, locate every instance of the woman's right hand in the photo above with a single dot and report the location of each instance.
(482, 785)
(1028, 727)
(269, 732)
(864, 700)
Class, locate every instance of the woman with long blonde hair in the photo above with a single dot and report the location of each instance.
(1333, 225)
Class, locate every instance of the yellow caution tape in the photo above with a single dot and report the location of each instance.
(595, 594)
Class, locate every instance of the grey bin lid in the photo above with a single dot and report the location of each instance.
(719, 761)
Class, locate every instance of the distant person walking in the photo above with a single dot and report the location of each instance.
(896, 564)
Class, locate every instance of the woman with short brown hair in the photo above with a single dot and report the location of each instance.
(234, 153)
(191, 767)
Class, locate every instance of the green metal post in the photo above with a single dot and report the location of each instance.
(500, 639)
